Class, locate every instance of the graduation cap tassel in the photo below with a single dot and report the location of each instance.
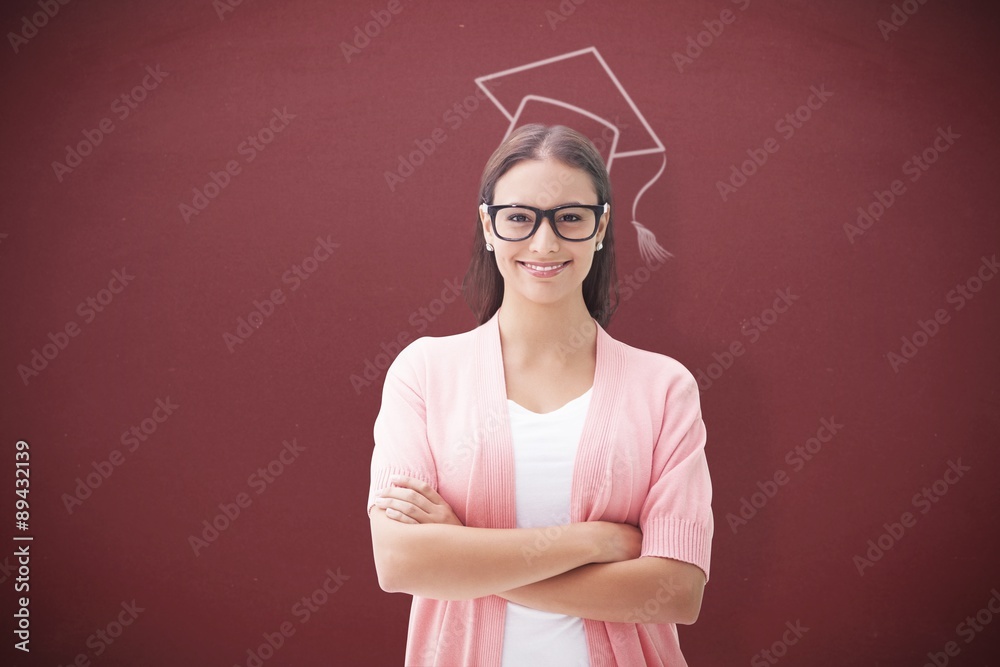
(648, 247)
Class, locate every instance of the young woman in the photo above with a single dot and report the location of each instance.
(540, 488)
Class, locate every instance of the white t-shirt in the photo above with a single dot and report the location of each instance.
(544, 454)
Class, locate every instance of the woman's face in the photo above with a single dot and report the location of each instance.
(544, 184)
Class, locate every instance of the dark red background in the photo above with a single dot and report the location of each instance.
(323, 176)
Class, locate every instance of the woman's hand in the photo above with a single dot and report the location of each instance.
(616, 541)
(412, 500)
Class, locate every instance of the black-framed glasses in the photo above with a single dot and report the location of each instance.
(571, 222)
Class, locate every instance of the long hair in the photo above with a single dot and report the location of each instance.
(483, 283)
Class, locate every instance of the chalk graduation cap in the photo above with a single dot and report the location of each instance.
(579, 90)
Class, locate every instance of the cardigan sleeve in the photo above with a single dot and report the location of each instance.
(400, 431)
(676, 518)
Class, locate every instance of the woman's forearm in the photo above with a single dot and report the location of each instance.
(642, 590)
(449, 562)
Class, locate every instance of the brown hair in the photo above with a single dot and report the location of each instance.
(483, 284)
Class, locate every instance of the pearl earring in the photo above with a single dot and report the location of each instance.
(489, 247)
(600, 245)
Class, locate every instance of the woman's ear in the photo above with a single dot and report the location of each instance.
(602, 224)
(484, 219)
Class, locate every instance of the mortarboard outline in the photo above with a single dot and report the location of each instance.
(649, 248)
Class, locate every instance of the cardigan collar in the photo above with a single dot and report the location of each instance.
(492, 496)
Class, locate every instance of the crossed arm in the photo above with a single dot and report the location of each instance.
(590, 570)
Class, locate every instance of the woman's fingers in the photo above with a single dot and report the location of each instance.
(396, 515)
(420, 486)
(408, 495)
(440, 511)
(408, 501)
(416, 499)
(395, 509)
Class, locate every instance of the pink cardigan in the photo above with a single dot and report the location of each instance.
(641, 460)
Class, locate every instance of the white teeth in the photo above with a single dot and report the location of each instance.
(544, 268)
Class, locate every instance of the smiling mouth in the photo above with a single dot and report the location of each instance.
(544, 269)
